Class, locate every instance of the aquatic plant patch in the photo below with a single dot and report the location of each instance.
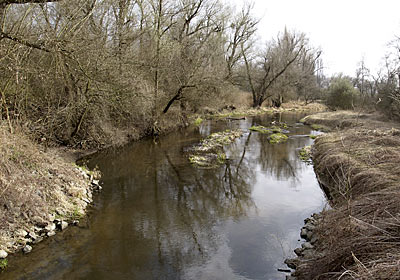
(261, 129)
(277, 138)
(210, 152)
(268, 130)
(305, 154)
(276, 132)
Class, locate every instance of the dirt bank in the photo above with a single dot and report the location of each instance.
(358, 163)
(41, 192)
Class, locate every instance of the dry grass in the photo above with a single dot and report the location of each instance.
(359, 165)
(34, 184)
(238, 98)
(300, 106)
(243, 111)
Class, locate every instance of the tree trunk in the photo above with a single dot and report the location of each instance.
(173, 99)
(176, 97)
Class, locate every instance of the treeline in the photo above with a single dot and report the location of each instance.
(375, 91)
(84, 72)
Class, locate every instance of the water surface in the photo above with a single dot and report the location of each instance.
(158, 217)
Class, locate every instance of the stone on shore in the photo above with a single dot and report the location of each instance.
(27, 249)
(61, 225)
(50, 227)
(291, 263)
(307, 245)
(303, 233)
(3, 254)
(299, 251)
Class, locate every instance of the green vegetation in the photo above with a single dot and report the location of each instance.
(277, 138)
(342, 94)
(312, 136)
(90, 75)
(198, 121)
(210, 152)
(221, 158)
(3, 264)
(305, 154)
(261, 129)
(77, 213)
(277, 127)
(276, 132)
(316, 126)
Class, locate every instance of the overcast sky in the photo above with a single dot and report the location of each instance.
(345, 30)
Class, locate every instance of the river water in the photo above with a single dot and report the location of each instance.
(158, 217)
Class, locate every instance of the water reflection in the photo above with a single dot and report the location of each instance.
(160, 218)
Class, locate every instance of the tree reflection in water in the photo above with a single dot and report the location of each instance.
(158, 217)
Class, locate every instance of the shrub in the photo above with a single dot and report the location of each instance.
(341, 94)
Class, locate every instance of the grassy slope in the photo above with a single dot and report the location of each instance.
(359, 164)
(34, 184)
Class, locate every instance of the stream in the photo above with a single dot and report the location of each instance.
(159, 217)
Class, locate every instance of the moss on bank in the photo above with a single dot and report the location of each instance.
(358, 166)
(36, 187)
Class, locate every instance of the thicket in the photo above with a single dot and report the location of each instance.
(379, 91)
(87, 72)
(341, 94)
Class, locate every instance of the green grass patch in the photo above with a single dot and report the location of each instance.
(221, 158)
(3, 264)
(276, 129)
(198, 121)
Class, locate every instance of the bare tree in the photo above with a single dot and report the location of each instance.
(241, 30)
(266, 69)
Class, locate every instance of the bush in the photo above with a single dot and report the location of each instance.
(341, 94)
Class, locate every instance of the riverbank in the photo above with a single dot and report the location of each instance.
(357, 164)
(42, 191)
(238, 113)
